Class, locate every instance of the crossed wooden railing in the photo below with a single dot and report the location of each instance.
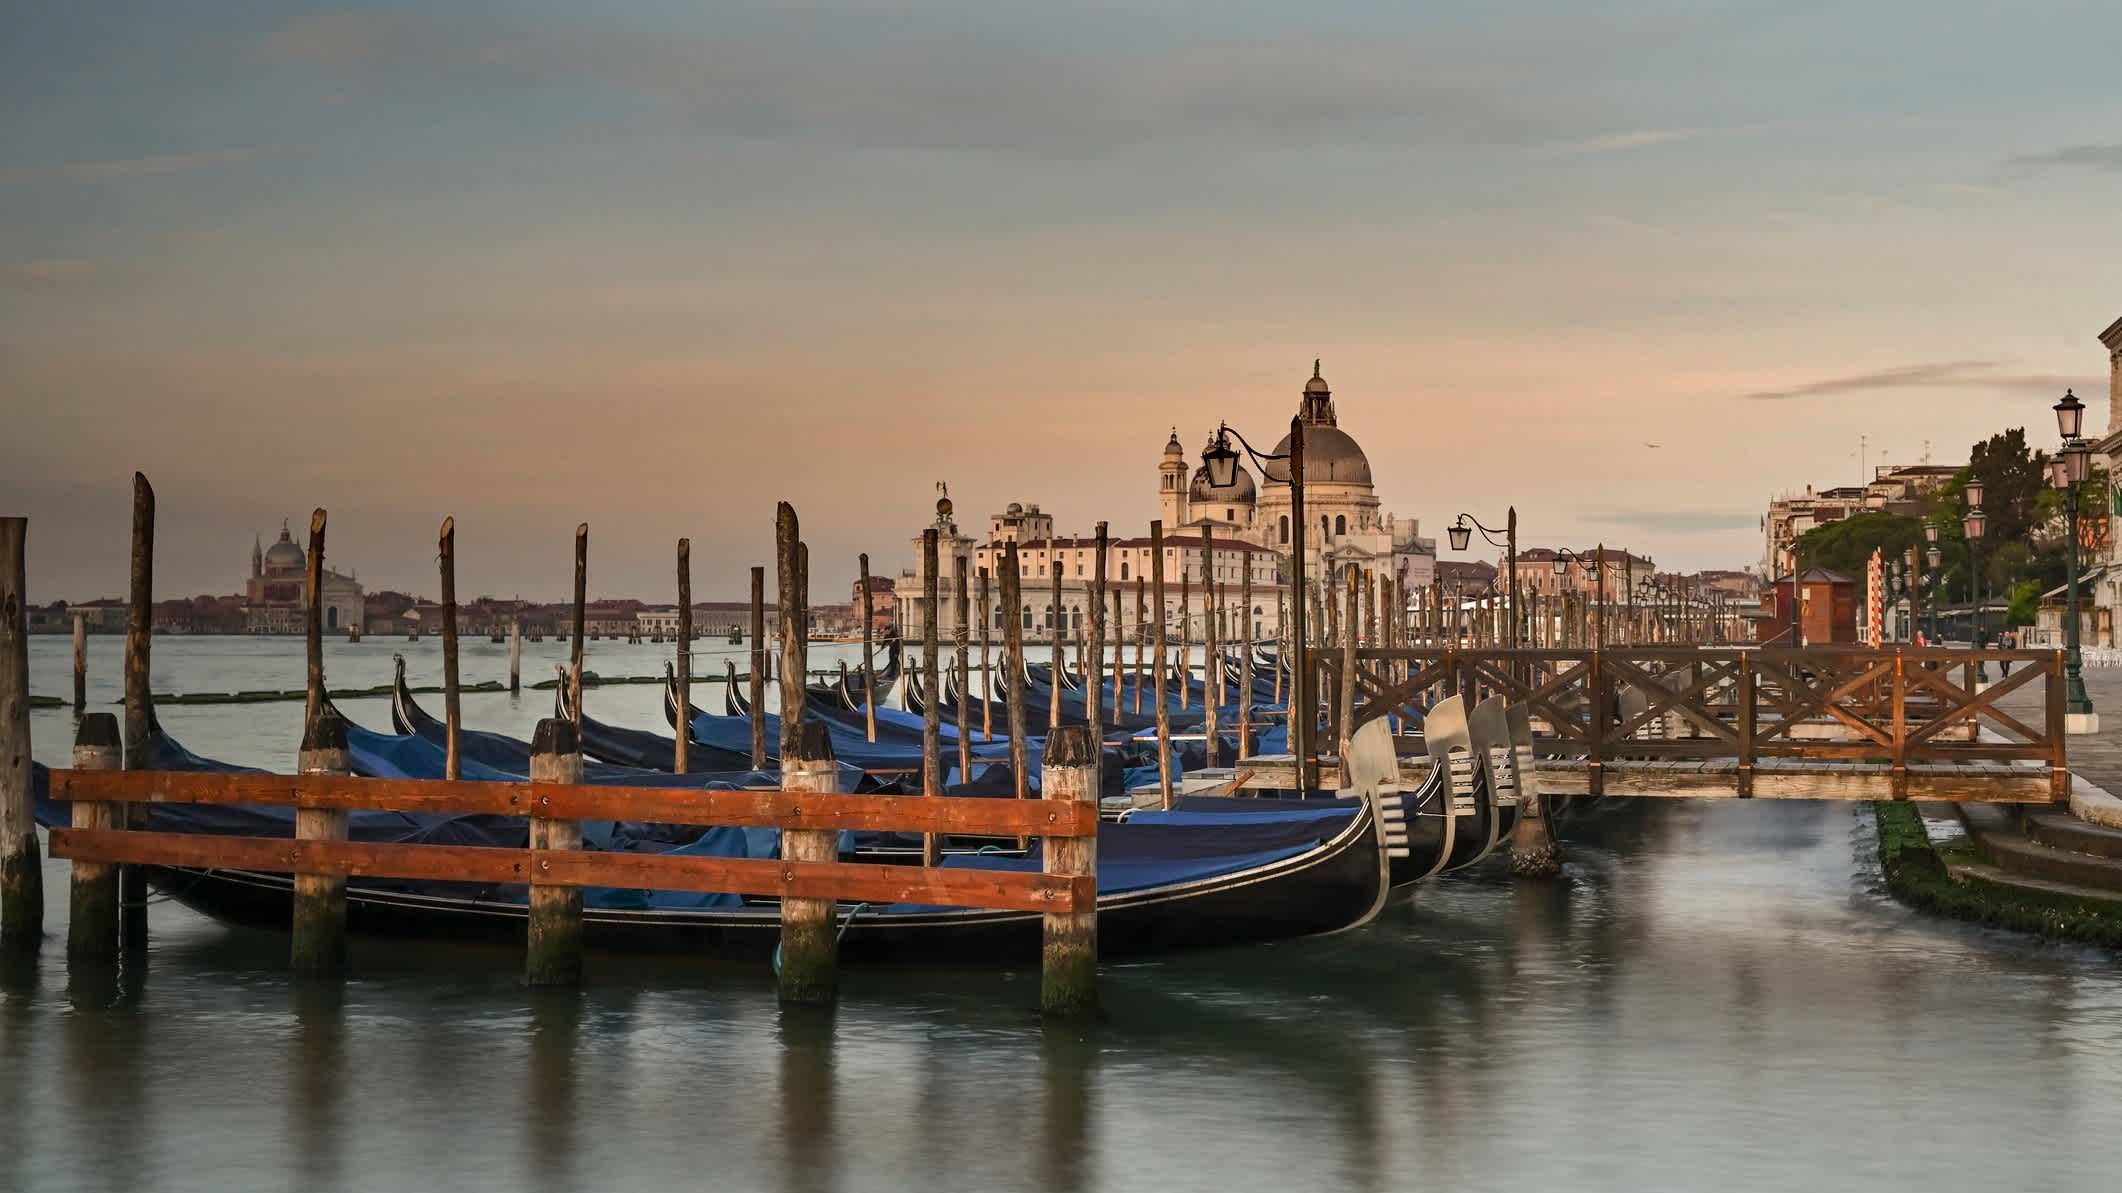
(1833, 703)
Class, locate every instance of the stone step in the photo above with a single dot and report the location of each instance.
(2065, 831)
(2100, 898)
(2006, 847)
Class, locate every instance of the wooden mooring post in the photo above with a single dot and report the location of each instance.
(515, 654)
(319, 942)
(80, 663)
(869, 649)
(554, 955)
(987, 667)
(931, 693)
(21, 862)
(1058, 634)
(1094, 645)
(574, 670)
(1013, 667)
(1212, 658)
(682, 751)
(807, 962)
(1068, 980)
(139, 709)
(92, 925)
(758, 676)
(961, 609)
(452, 712)
(1141, 632)
(1163, 707)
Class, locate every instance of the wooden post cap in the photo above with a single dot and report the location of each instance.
(98, 730)
(1071, 745)
(555, 736)
(325, 731)
(814, 743)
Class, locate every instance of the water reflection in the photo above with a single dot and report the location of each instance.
(1712, 988)
(809, 1153)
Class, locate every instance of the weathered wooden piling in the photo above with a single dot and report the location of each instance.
(139, 706)
(319, 943)
(21, 863)
(932, 692)
(1094, 644)
(1186, 635)
(1245, 661)
(515, 654)
(795, 644)
(554, 957)
(869, 649)
(1013, 666)
(1212, 666)
(1059, 635)
(1141, 630)
(1164, 712)
(92, 925)
(1068, 979)
(681, 754)
(987, 669)
(452, 710)
(808, 960)
(1345, 701)
(961, 605)
(574, 669)
(313, 617)
(758, 676)
(80, 663)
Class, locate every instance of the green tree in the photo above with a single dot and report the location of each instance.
(1846, 546)
(2015, 481)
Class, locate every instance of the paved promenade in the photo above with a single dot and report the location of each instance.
(2098, 756)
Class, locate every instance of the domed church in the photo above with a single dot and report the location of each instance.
(275, 598)
(1346, 527)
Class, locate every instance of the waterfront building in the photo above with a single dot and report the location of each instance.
(1894, 488)
(1248, 523)
(2104, 564)
(277, 593)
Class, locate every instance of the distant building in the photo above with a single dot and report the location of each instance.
(276, 595)
(103, 616)
(2104, 576)
(1894, 488)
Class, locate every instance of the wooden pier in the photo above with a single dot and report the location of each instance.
(1826, 722)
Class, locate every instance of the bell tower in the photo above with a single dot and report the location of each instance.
(1171, 484)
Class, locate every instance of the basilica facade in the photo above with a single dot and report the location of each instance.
(1346, 525)
(275, 597)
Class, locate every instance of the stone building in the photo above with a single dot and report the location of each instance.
(1894, 488)
(2105, 574)
(276, 595)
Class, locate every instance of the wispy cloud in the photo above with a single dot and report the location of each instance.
(1638, 139)
(2078, 157)
(1949, 374)
(934, 93)
(128, 167)
(58, 272)
(1682, 521)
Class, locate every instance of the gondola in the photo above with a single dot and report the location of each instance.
(1162, 887)
(640, 748)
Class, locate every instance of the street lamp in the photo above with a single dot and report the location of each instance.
(1461, 534)
(2070, 469)
(1973, 523)
(1222, 465)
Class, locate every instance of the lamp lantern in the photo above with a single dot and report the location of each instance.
(2070, 415)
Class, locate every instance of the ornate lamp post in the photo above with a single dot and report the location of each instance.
(1934, 560)
(2072, 466)
(1973, 522)
(1461, 533)
(1222, 474)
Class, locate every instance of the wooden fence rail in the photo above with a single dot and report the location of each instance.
(1063, 817)
(1897, 707)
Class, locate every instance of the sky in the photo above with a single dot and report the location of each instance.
(655, 266)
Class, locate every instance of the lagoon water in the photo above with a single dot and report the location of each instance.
(1717, 996)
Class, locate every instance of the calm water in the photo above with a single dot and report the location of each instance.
(1716, 996)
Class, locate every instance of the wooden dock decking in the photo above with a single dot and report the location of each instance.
(1973, 780)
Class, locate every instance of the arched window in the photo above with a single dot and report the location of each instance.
(1340, 523)
(1326, 525)
(1049, 617)
(998, 617)
(1285, 528)
(1123, 569)
(331, 618)
(1027, 617)
(1075, 619)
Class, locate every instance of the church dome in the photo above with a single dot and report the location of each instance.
(284, 555)
(1241, 491)
(1172, 450)
(1330, 455)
